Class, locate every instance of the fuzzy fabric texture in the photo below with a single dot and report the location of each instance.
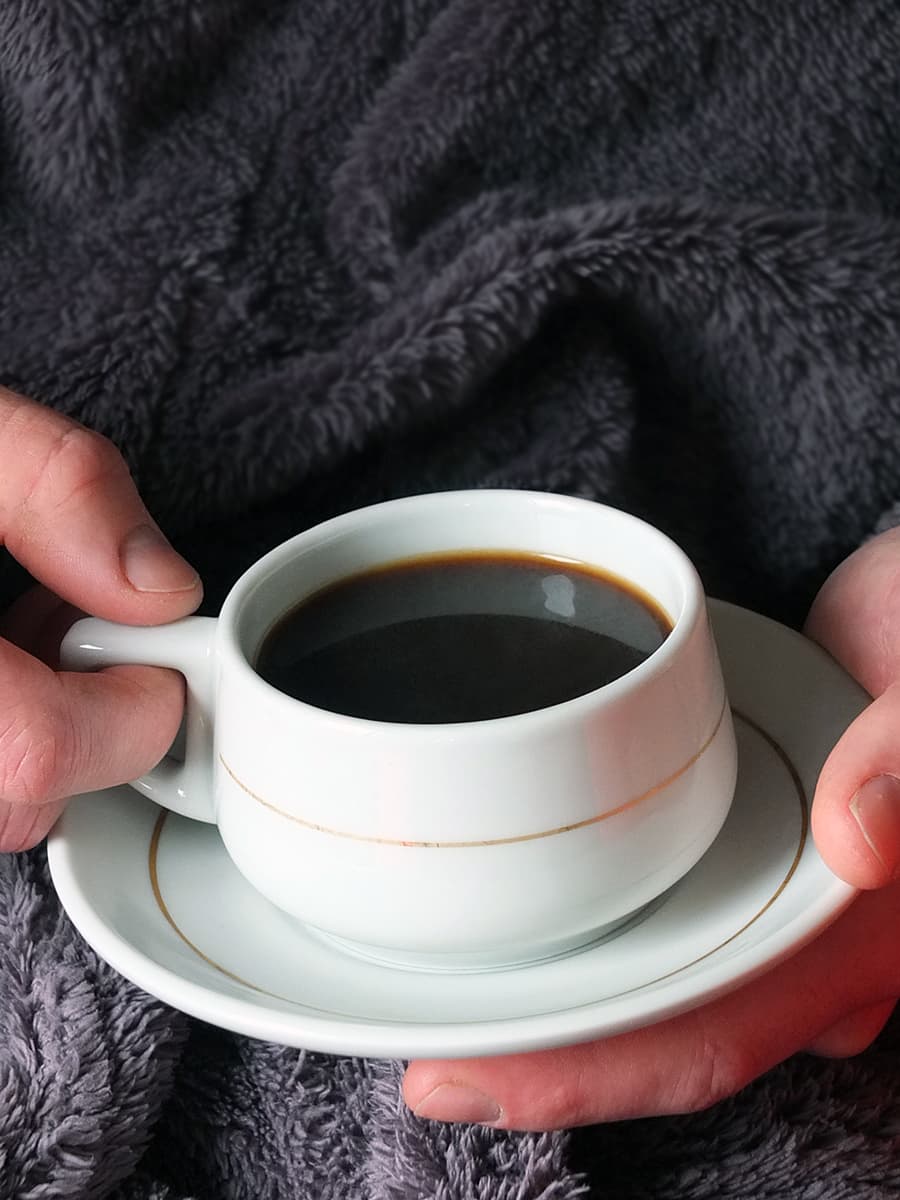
(296, 256)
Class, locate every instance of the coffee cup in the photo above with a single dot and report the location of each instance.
(449, 843)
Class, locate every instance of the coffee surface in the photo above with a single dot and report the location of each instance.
(461, 637)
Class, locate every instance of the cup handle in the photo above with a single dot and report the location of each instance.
(186, 646)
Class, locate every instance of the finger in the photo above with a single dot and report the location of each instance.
(854, 1033)
(66, 733)
(685, 1064)
(856, 812)
(70, 514)
(23, 826)
(856, 615)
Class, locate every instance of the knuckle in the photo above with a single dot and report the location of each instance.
(19, 829)
(715, 1071)
(574, 1109)
(32, 756)
(568, 1099)
(76, 460)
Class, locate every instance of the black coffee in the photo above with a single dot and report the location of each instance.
(462, 637)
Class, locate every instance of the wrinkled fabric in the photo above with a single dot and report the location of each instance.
(295, 257)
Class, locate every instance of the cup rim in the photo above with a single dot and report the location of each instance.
(608, 694)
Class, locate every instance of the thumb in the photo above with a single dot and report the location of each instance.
(856, 811)
(71, 515)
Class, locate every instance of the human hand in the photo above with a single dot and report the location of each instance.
(832, 998)
(70, 514)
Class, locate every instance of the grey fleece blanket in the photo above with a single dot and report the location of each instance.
(293, 257)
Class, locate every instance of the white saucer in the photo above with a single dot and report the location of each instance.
(157, 897)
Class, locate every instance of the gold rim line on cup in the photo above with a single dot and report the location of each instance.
(779, 750)
(502, 841)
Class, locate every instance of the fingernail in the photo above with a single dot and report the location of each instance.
(876, 808)
(460, 1103)
(151, 564)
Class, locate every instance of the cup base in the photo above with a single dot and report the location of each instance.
(485, 961)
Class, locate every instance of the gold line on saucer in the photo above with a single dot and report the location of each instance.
(801, 845)
(503, 841)
(164, 909)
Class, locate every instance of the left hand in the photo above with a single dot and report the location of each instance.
(832, 998)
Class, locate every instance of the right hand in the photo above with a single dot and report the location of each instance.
(70, 514)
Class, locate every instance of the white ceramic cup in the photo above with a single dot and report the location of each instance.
(459, 845)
